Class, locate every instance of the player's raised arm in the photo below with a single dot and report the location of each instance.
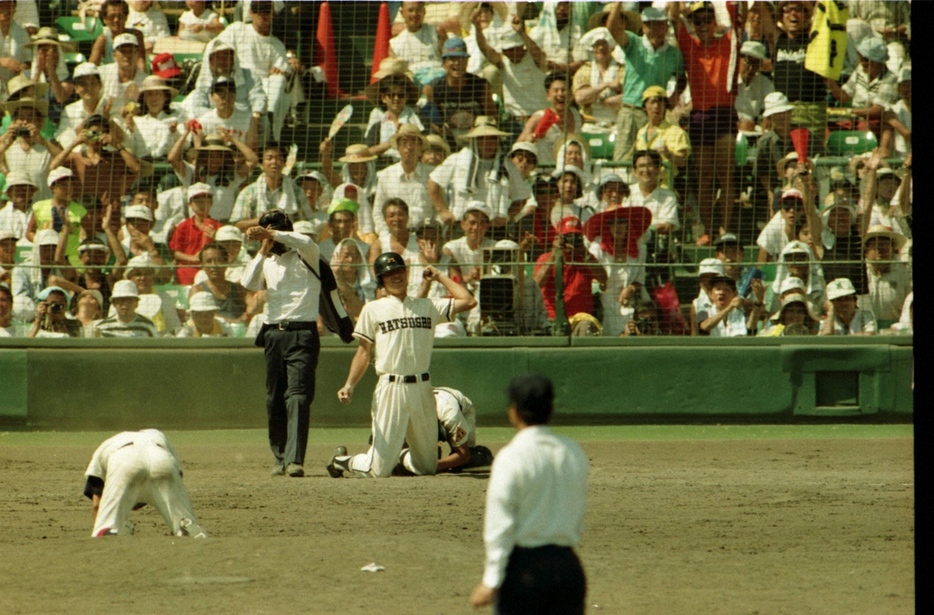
(463, 300)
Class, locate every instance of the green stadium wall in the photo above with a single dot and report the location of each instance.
(217, 383)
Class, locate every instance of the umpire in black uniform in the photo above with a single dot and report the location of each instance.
(283, 267)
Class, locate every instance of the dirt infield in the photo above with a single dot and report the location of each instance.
(790, 525)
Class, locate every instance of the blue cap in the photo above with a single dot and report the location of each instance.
(653, 14)
(454, 47)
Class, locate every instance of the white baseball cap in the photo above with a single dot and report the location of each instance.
(841, 287)
(143, 261)
(790, 283)
(711, 265)
(753, 49)
(506, 244)
(479, 206)
(124, 288)
(59, 173)
(125, 39)
(18, 178)
(93, 244)
(199, 189)
(86, 69)
(202, 301)
(776, 102)
(138, 211)
(46, 237)
(228, 232)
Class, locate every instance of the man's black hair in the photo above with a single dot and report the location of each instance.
(555, 76)
(533, 396)
(651, 153)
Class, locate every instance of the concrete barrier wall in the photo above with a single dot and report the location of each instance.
(122, 384)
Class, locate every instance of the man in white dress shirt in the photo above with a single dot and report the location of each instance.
(283, 268)
(535, 508)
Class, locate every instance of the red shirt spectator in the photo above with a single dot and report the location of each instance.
(194, 233)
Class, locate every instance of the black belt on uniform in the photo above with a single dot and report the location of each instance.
(294, 325)
(409, 379)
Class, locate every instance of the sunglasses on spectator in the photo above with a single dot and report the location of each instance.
(789, 204)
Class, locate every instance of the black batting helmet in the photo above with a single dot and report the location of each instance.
(277, 220)
(387, 262)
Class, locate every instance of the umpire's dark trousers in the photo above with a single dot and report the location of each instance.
(541, 580)
(291, 360)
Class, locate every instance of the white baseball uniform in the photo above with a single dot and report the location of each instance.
(134, 468)
(403, 408)
(457, 417)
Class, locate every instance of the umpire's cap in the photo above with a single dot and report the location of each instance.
(277, 220)
(387, 262)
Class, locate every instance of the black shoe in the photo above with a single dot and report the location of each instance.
(332, 468)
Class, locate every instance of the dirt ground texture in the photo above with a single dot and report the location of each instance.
(771, 526)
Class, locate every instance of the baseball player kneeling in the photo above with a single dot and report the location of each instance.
(134, 468)
(457, 426)
(400, 331)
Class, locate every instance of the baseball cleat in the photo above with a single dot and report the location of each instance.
(278, 470)
(332, 468)
(295, 470)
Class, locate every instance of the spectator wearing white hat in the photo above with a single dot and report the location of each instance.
(708, 269)
(884, 201)
(194, 233)
(49, 67)
(61, 208)
(797, 260)
(52, 319)
(230, 238)
(844, 317)
(123, 78)
(841, 246)
(90, 89)
(154, 304)
(87, 310)
(220, 60)
(597, 85)
(22, 146)
(203, 318)
(114, 14)
(137, 240)
(264, 55)
(393, 96)
(31, 276)
(521, 63)
(126, 322)
(889, 279)
(753, 86)
(18, 192)
(793, 318)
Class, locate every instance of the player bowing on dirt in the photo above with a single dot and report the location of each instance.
(400, 330)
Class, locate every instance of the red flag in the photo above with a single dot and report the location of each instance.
(325, 38)
(383, 34)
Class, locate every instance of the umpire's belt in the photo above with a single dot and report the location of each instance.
(295, 325)
(409, 379)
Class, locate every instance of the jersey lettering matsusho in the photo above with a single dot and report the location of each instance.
(402, 332)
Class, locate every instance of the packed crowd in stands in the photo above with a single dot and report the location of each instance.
(563, 161)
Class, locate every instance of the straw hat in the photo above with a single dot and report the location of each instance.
(878, 230)
(152, 83)
(633, 20)
(485, 126)
(407, 130)
(42, 106)
(49, 36)
(795, 298)
(438, 141)
(392, 71)
(358, 152)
